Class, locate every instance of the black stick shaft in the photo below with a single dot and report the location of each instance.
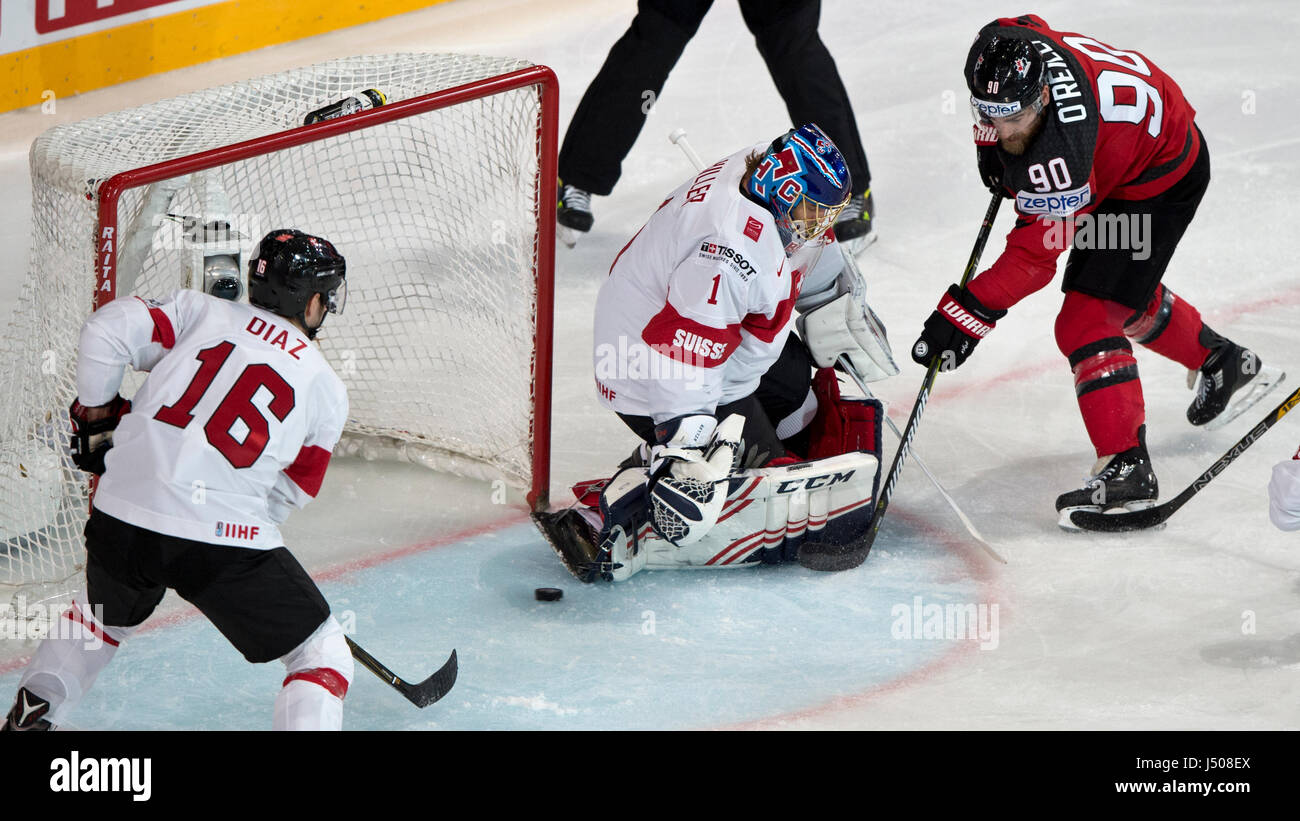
(857, 553)
(1152, 516)
(923, 397)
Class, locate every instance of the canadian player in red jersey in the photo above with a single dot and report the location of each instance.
(232, 429)
(1101, 152)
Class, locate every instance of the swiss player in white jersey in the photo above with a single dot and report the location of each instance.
(1284, 494)
(232, 429)
(693, 328)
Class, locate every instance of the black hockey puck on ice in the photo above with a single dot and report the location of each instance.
(548, 594)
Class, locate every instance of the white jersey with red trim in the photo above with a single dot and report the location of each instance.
(1284, 494)
(232, 428)
(697, 305)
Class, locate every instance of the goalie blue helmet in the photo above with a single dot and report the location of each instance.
(804, 182)
(289, 266)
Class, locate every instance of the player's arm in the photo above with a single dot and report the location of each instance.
(964, 316)
(835, 319)
(127, 331)
(301, 480)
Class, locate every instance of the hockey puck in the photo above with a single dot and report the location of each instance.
(548, 594)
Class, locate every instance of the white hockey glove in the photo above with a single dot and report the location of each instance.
(687, 484)
(847, 325)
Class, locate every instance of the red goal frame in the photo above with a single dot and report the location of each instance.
(111, 190)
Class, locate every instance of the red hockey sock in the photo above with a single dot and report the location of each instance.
(1171, 327)
(1089, 333)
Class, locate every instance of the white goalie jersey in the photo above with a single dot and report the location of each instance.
(698, 304)
(232, 429)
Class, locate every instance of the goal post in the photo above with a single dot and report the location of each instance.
(442, 200)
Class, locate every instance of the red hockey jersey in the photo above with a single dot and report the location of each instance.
(1117, 128)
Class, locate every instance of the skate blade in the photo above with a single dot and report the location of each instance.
(568, 236)
(857, 245)
(1268, 378)
(1069, 526)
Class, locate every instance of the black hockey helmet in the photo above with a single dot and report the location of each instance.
(1005, 75)
(288, 267)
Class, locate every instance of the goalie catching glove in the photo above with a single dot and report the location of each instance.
(687, 484)
(846, 325)
(92, 432)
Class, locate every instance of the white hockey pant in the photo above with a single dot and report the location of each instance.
(319, 672)
(70, 658)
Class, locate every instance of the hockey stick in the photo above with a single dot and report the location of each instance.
(852, 265)
(421, 695)
(826, 556)
(1152, 516)
(952, 503)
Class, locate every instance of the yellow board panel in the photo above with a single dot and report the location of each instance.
(136, 50)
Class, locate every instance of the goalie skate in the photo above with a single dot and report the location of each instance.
(573, 540)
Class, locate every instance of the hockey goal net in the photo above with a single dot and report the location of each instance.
(442, 201)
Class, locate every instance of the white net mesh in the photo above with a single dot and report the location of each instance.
(436, 213)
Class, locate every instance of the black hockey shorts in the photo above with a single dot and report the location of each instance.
(1129, 274)
(783, 390)
(262, 601)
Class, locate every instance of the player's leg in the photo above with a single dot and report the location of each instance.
(1160, 320)
(1089, 332)
(805, 75)
(613, 109)
(318, 674)
(121, 592)
(267, 606)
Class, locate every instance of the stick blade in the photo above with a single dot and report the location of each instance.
(435, 686)
(1122, 522)
(831, 558)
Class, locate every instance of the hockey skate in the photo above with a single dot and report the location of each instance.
(572, 214)
(853, 228)
(573, 539)
(27, 713)
(1232, 379)
(1120, 482)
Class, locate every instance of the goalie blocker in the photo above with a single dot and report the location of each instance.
(769, 512)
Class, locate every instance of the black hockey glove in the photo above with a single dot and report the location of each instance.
(91, 440)
(988, 160)
(954, 329)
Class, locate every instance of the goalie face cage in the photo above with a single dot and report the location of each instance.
(442, 201)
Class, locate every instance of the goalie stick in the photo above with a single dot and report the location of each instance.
(947, 497)
(824, 556)
(1152, 516)
(421, 695)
